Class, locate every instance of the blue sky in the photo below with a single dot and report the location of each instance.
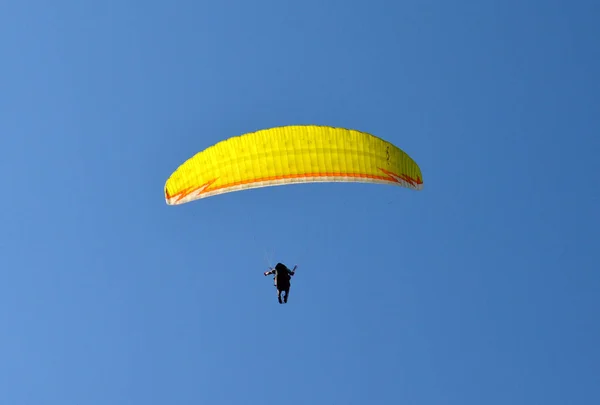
(481, 289)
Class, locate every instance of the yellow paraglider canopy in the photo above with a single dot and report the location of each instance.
(288, 155)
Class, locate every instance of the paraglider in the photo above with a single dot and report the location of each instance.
(282, 280)
(291, 155)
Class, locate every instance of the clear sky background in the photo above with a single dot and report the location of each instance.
(480, 290)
